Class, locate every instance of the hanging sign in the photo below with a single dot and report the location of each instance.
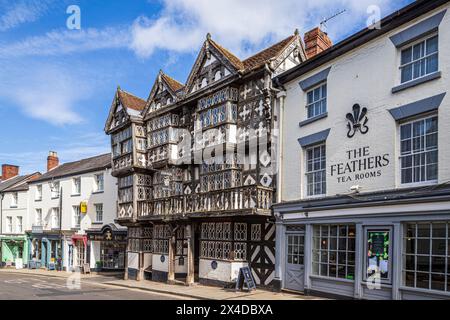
(83, 207)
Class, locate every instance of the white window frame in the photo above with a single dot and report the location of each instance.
(97, 206)
(97, 185)
(314, 171)
(76, 186)
(14, 199)
(38, 196)
(39, 220)
(55, 189)
(321, 100)
(420, 183)
(9, 224)
(411, 45)
(76, 211)
(19, 225)
(55, 218)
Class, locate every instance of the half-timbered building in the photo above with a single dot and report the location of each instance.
(195, 164)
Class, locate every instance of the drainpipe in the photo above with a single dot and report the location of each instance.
(281, 99)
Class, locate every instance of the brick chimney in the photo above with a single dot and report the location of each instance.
(52, 160)
(316, 41)
(9, 171)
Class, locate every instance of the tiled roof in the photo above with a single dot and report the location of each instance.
(11, 182)
(78, 167)
(235, 61)
(23, 185)
(264, 56)
(18, 183)
(257, 60)
(130, 101)
(172, 83)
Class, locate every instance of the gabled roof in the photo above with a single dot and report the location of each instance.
(174, 87)
(172, 83)
(132, 105)
(78, 167)
(261, 58)
(130, 101)
(235, 61)
(17, 183)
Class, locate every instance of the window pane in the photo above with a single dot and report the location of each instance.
(423, 246)
(437, 282)
(423, 230)
(406, 56)
(432, 45)
(407, 73)
(409, 279)
(439, 247)
(410, 262)
(423, 280)
(439, 230)
(438, 264)
(432, 63)
(423, 263)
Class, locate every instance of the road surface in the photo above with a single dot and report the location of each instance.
(33, 287)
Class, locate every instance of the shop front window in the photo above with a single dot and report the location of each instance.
(378, 261)
(334, 251)
(426, 260)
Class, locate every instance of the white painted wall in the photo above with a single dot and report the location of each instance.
(20, 210)
(108, 198)
(225, 272)
(366, 76)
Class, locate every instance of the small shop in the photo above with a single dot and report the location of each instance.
(45, 251)
(107, 248)
(79, 247)
(395, 246)
(14, 251)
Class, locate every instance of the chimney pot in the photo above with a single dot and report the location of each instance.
(9, 171)
(52, 160)
(316, 41)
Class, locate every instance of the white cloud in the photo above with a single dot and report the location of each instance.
(46, 92)
(60, 42)
(87, 145)
(21, 11)
(242, 26)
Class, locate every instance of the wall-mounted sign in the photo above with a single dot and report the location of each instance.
(360, 165)
(214, 265)
(163, 258)
(357, 121)
(83, 207)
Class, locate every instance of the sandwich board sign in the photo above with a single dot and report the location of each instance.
(245, 277)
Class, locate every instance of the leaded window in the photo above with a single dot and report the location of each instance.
(426, 259)
(333, 253)
(419, 150)
(420, 59)
(316, 170)
(216, 242)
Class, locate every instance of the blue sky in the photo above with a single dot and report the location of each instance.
(56, 84)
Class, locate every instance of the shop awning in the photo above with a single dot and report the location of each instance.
(79, 237)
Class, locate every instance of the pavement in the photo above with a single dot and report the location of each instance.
(155, 288)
